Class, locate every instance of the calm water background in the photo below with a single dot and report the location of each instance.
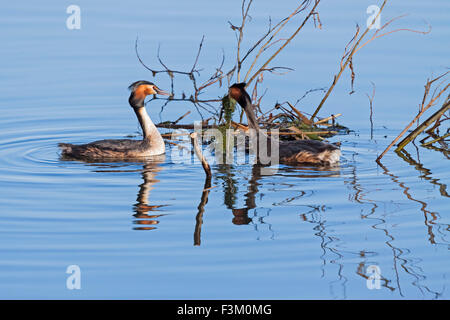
(312, 233)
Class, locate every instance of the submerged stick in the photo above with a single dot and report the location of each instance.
(199, 154)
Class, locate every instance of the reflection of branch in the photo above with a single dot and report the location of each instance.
(429, 225)
(206, 188)
(314, 216)
(405, 264)
(410, 197)
(201, 210)
(426, 172)
(445, 152)
(360, 197)
(361, 271)
(371, 108)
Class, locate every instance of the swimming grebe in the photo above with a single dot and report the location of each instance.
(297, 151)
(152, 144)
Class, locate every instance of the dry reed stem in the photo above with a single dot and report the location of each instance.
(300, 115)
(423, 126)
(436, 140)
(239, 126)
(333, 116)
(423, 109)
(297, 131)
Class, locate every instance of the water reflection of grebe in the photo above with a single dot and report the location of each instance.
(240, 215)
(152, 143)
(143, 209)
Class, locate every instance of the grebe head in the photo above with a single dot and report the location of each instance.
(141, 89)
(238, 93)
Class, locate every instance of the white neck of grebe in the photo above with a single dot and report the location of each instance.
(150, 132)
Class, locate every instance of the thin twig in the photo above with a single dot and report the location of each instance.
(349, 58)
(287, 41)
(355, 47)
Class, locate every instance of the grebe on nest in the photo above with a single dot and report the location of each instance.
(297, 151)
(151, 145)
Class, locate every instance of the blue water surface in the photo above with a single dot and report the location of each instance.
(135, 229)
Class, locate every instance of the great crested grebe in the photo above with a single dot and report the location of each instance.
(297, 151)
(151, 145)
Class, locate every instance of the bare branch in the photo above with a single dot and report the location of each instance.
(355, 46)
(431, 102)
(305, 3)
